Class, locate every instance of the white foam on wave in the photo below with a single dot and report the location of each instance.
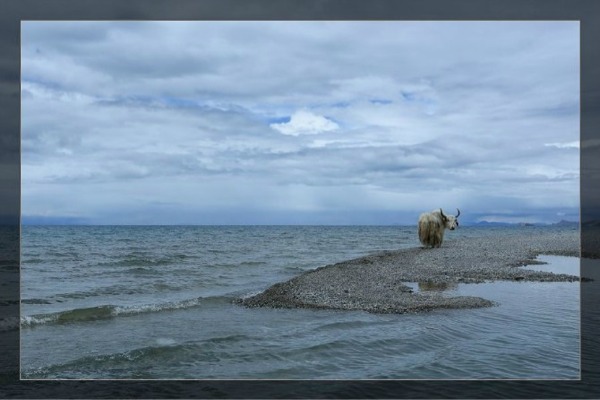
(165, 341)
(32, 320)
(156, 307)
(251, 294)
(104, 312)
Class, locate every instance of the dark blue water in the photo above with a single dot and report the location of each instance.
(157, 303)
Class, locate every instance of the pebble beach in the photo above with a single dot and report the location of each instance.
(378, 282)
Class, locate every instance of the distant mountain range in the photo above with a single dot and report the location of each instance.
(487, 223)
(567, 223)
(560, 223)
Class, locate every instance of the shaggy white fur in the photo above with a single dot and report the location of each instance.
(433, 225)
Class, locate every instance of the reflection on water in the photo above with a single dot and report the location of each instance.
(432, 286)
(554, 264)
(429, 286)
(437, 287)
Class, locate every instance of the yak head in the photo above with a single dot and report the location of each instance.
(450, 221)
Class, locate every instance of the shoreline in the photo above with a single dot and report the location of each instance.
(377, 282)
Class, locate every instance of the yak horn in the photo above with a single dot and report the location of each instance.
(458, 213)
(441, 212)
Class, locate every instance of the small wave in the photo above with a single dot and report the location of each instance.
(342, 325)
(294, 269)
(69, 254)
(89, 366)
(224, 339)
(112, 311)
(36, 301)
(139, 262)
(141, 271)
(216, 251)
(103, 291)
(224, 265)
(139, 360)
(32, 261)
(76, 315)
(252, 263)
(163, 287)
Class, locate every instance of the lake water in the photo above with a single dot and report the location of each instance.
(156, 302)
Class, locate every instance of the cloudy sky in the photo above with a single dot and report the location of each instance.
(299, 122)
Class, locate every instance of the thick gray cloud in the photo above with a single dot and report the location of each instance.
(202, 122)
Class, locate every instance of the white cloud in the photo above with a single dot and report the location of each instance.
(383, 115)
(362, 87)
(564, 145)
(304, 122)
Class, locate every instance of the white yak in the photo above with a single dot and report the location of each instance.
(432, 226)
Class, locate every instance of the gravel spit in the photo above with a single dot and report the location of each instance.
(377, 283)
